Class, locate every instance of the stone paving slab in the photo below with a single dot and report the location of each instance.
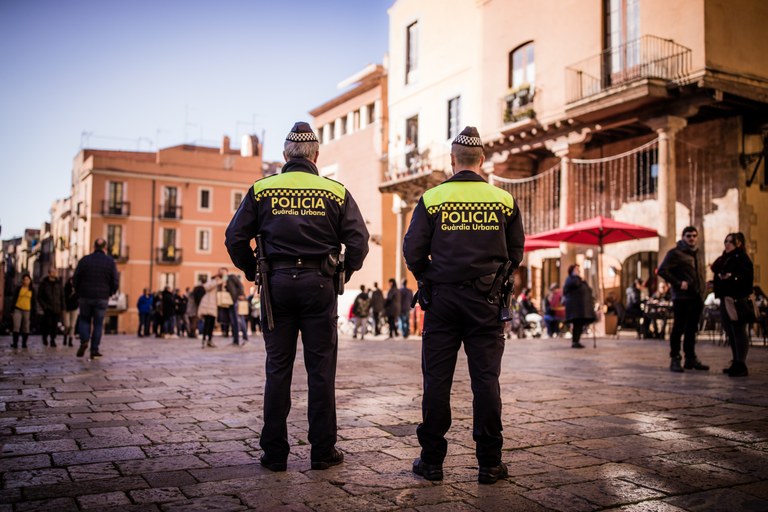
(167, 426)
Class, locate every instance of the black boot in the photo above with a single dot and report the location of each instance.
(24, 337)
(53, 342)
(45, 340)
(695, 364)
(728, 370)
(15, 343)
(738, 370)
(69, 341)
(576, 344)
(674, 365)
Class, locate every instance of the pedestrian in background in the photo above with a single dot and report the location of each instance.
(392, 308)
(144, 306)
(734, 276)
(169, 313)
(71, 306)
(50, 297)
(23, 298)
(96, 280)
(208, 309)
(361, 307)
(456, 259)
(579, 304)
(683, 268)
(406, 296)
(303, 246)
(377, 308)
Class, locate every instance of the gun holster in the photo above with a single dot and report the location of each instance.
(329, 264)
(423, 295)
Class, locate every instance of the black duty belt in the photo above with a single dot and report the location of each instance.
(281, 263)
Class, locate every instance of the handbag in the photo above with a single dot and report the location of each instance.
(741, 310)
(242, 307)
(224, 299)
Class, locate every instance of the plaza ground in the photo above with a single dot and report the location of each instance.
(165, 425)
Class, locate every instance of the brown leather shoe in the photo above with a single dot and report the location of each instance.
(492, 474)
(334, 459)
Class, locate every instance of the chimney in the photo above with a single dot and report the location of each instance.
(224, 145)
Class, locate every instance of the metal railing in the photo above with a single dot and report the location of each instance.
(169, 255)
(169, 212)
(113, 209)
(121, 254)
(517, 105)
(416, 163)
(646, 57)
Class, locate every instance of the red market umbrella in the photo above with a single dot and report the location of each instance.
(535, 245)
(595, 231)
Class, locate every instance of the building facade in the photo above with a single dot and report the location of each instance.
(352, 129)
(647, 112)
(163, 215)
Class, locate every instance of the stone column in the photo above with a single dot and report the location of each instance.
(667, 127)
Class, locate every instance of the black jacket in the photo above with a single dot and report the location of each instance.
(742, 274)
(579, 302)
(71, 299)
(463, 229)
(96, 276)
(50, 296)
(684, 263)
(299, 215)
(392, 302)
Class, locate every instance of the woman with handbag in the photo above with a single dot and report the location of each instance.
(734, 274)
(579, 304)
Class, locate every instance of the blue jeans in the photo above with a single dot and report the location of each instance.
(234, 322)
(144, 324)
(405, 328)
(92, 312)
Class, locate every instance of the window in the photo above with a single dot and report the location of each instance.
(114, 240)
(319, 131)
(169, 238)
(453, 117)
(522, 66)
(622, 33)
(204, 240)
(412, 143)
(205, 202)
(115, 198)
(411, 52)
(237, 198)
(167, 279)
(201, 277)
(343, 125)
(170, 202)
(371, 113)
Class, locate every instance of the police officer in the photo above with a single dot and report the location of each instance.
(462, 233)
(302, 219)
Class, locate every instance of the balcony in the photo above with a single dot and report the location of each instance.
(113, 209)
(169, 255)
(637, 72)
(119, 254)
(412, 173)
(169, 212)
(517, 105)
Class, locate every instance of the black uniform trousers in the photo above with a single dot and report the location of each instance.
(687, 313)
(303, 300)
(461, 313)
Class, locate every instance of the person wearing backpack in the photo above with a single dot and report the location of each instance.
(361, 309)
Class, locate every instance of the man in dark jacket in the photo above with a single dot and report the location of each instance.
(377, 308)
(144, 305)
(95, 280)
(50, 296)
(235, 288)
(683, 268)
(301, 220)
(392, 307)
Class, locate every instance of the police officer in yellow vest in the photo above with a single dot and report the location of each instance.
(462, 233)
(302, 220)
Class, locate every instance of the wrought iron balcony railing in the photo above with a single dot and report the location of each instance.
(415, 163)
(120, 254)
(169, 212)
(115, 209)
(169, 255)
(646, 57)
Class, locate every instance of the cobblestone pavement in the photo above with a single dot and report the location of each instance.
(164, 425)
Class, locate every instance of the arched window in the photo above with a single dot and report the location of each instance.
(522, 66)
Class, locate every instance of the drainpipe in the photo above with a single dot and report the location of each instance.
(152, 240)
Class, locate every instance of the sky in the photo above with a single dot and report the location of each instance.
(138, 75)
